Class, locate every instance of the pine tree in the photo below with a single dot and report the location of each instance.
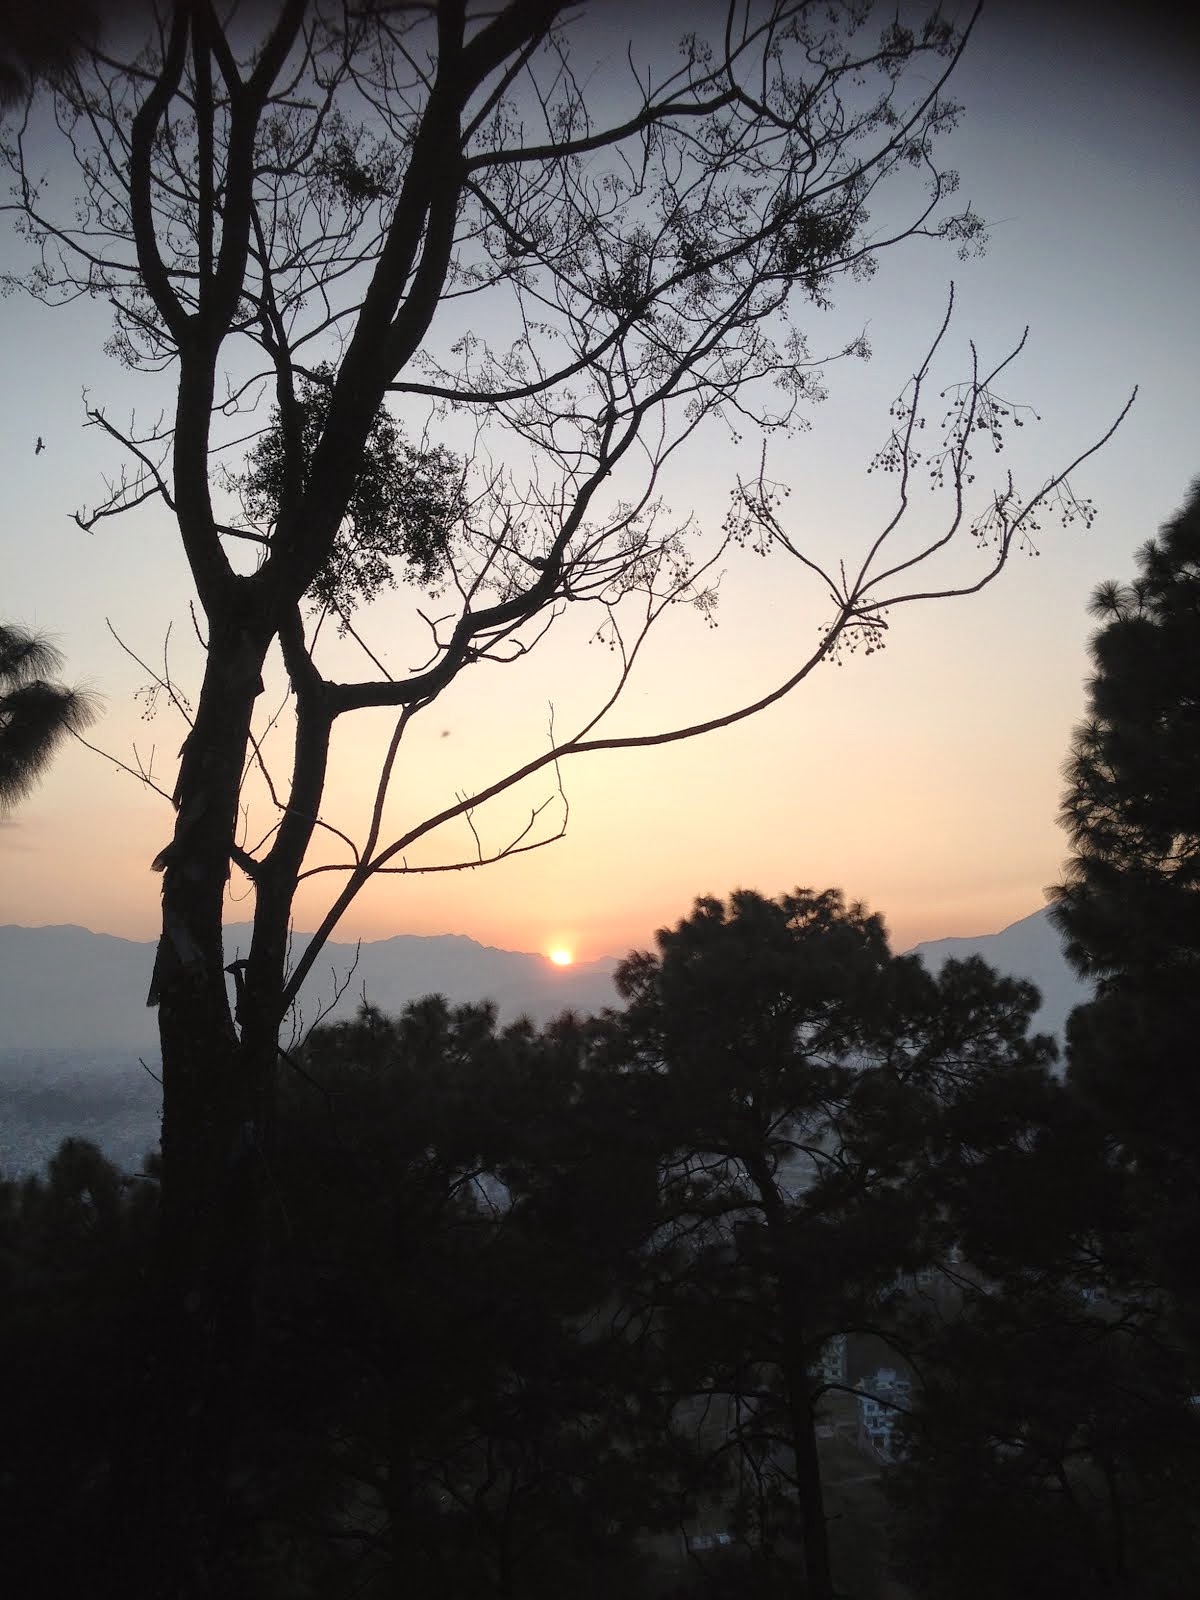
(822, 1104)
(1130, 903)
(35, 714)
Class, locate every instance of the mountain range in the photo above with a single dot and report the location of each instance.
(66, 988)
(79, 1046)
(1031, 948)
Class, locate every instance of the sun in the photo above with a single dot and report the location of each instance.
(561, 956)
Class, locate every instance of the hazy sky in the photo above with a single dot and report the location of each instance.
(923, 780)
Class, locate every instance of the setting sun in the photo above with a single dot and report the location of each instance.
(561, 956)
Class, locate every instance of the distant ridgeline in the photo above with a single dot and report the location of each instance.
(74, 1021)
(78, 1045)
(68, 989)
(1031, 948)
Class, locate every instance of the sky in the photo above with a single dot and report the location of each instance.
(923, 780)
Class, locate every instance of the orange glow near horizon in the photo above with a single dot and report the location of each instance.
(924, 781)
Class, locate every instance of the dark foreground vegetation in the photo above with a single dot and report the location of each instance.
(581, 1311)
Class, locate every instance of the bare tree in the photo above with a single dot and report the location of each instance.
(345, 232)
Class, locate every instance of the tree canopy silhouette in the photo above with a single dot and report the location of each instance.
(1130, 904)
(39, 42)
(820, 1105)
(541, 1308)
(36, 714)
(1130, 901)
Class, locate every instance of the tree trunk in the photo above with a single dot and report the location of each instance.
(817, 1565)
(798, 1386)
(216, 1097)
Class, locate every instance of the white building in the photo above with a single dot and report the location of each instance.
(879, 1409)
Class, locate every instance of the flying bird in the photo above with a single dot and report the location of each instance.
(39, 447)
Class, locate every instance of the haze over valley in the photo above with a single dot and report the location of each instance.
(79, 1048)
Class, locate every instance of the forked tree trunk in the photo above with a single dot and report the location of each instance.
(217, 1096)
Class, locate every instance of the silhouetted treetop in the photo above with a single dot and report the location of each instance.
(36, 715)
(1131, 900)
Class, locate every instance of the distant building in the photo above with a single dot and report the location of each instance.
(831, 1363)
(708, 1541)
(879, 1410)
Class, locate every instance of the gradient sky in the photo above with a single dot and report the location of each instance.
(923, 780)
